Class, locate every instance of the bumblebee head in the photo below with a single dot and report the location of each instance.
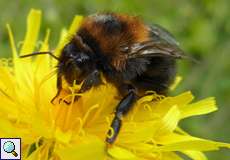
(75, 61)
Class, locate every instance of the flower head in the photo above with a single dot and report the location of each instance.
(77, 131)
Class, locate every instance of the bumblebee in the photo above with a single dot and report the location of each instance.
(133, 56)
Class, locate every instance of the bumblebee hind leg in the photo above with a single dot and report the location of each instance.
(122, 109)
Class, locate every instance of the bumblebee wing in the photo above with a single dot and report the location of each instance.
(161, 43)
(158, 33)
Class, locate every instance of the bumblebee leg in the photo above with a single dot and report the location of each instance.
(93, 79)
(122, 108)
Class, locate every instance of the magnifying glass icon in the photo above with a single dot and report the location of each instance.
(9, 147)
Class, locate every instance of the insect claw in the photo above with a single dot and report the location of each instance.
(59, 101)
(66, 102)
(53, 99)
(52, 102)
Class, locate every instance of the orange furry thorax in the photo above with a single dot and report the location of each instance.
(129, 30)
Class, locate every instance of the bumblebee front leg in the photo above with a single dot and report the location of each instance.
(93, 79)
(122, 108)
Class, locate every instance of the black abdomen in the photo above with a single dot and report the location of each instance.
(158, 77)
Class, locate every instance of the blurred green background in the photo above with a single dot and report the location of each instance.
(201, 26)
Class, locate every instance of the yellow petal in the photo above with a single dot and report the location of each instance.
(94, 149)
(121, 153)
(33, 26)
(137, 132)
(42, 63)
(182, 99)
(76, 23)
(173, 138)
(142, 148)
(195, 155)
(170, 156)
(174, 141)
(12, 43)
(7, 82)
(45, 43)
(72, 30)
(169, 121)
(63, 137)
(6, 128)
(23, 69)
(164, 105)
(177, 80)
(196, 145)
(202, 107)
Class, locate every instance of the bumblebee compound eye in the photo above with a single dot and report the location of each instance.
(81, 57)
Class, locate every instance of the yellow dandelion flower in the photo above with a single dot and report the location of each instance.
(77, 131)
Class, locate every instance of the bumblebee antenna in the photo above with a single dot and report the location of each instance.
(39, 53)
